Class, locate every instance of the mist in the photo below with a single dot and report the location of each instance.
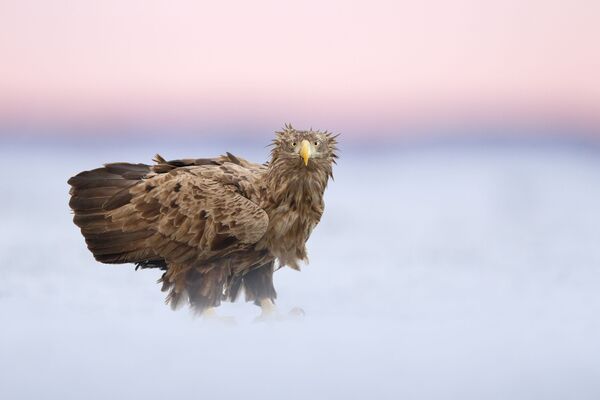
(462, 272)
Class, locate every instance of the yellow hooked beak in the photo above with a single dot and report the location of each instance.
(305, 151)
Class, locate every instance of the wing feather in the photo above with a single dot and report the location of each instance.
(203, 219)
(182, 211)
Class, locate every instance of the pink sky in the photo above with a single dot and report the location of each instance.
(336, 63)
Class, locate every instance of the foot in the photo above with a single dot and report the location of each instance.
(270, 313)
(210, 315)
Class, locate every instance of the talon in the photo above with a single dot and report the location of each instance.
(210, 315)
(267, 307)
(269, 312)
(268, 317)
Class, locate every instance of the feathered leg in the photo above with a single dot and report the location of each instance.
(258, 286)
(203, 290)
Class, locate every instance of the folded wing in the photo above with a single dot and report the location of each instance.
(186, 215)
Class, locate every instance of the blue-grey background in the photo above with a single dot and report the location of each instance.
(440, 270)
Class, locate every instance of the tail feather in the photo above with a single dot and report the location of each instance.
(93, 195)
(87, 204)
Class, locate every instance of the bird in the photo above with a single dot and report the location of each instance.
(217, 226)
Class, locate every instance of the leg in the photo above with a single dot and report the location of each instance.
(202, 290)
(258, 286)
(205, 291)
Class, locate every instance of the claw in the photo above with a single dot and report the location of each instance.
(271, 314)
(268, 311)
(210, 315)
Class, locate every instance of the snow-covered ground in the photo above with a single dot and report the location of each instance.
(436, 273)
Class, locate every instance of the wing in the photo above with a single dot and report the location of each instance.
(188, 215)
(163, 165)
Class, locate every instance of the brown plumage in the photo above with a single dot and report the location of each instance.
(214, 225)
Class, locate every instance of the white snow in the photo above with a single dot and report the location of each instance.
(436, 273)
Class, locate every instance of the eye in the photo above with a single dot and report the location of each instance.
(316, 143)
(294, 144)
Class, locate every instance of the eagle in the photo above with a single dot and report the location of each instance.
(215, 226)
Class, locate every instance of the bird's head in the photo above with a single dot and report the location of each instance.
(304, 150)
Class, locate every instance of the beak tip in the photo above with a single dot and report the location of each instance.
(305, 152)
